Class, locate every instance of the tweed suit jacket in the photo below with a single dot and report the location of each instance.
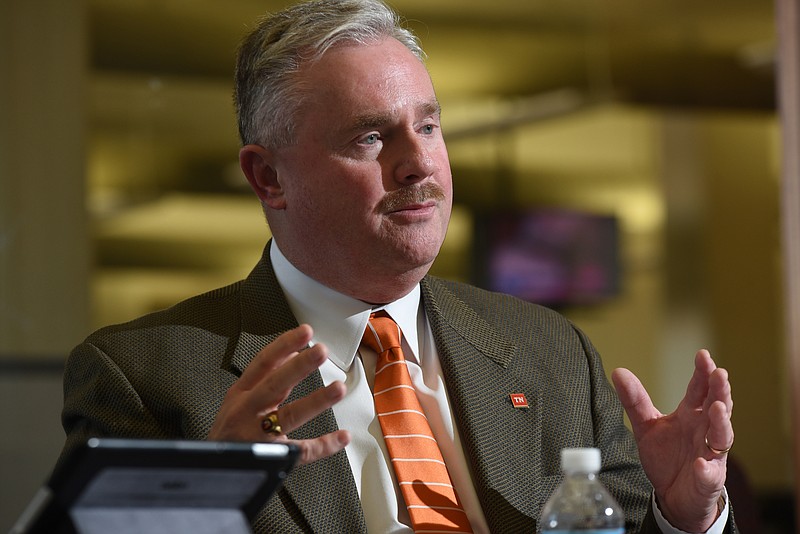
(164, 376)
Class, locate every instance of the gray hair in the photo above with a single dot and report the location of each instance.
(267, 94)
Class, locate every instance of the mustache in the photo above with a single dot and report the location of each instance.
(395, 200)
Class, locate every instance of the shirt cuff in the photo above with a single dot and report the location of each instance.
(716, 528)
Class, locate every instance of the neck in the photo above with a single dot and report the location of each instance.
(367, 285)
(377, 290)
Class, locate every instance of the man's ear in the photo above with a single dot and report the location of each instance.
(259, 168)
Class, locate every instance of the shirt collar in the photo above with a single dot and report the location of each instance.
(338, 320)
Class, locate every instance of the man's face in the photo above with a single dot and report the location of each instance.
(367, 185)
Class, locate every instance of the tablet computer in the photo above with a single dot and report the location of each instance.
(126, 486)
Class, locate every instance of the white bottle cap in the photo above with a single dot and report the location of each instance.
(585, 460)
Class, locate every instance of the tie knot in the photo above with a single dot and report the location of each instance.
(382, 333)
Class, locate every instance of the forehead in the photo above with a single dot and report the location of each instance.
(352, 77)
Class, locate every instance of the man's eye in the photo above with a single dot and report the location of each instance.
(427, 129)
(371, 139)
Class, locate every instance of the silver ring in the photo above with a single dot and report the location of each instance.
(717, 451)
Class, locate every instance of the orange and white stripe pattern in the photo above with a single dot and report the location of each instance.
(432, 502)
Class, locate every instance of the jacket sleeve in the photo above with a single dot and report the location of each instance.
(99, 401)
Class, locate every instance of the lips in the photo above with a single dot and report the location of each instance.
(416, 206)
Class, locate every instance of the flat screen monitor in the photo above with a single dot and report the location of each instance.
(554, 257)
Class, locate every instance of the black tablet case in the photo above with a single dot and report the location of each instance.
(123, 486)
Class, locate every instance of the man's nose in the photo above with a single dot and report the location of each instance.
(414, 160)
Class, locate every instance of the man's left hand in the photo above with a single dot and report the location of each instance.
(677, 450)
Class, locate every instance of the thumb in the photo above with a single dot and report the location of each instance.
(634, 398)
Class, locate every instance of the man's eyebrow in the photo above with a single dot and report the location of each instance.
(371, 120)
(376, 120)
(430, 108)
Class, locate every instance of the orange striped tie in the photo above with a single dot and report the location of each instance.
(418, 465)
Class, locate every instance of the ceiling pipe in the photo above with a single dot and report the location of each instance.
(525, 111)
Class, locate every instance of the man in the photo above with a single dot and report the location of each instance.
(342, 144)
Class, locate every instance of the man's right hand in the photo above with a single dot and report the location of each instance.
(266, 383)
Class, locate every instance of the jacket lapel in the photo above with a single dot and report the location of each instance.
(323, 491)
(502, 443)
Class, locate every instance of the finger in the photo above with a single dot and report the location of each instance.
(634, 398)
(312, 450)
(276, 386)
(720, 388)
(697, 390)
(295, 414)
(720, 430)
(269, 358)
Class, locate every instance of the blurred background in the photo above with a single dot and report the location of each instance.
(614, 159)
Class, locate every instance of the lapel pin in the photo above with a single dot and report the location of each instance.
(519, 400)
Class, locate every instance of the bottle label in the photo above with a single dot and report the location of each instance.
(587, 531)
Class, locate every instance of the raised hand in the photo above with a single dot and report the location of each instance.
(684, 454)
(251, 409)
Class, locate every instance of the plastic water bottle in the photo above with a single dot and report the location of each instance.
(581, 504)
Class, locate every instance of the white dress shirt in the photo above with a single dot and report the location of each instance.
(339, 321)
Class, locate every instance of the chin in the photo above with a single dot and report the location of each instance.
(419, 261)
